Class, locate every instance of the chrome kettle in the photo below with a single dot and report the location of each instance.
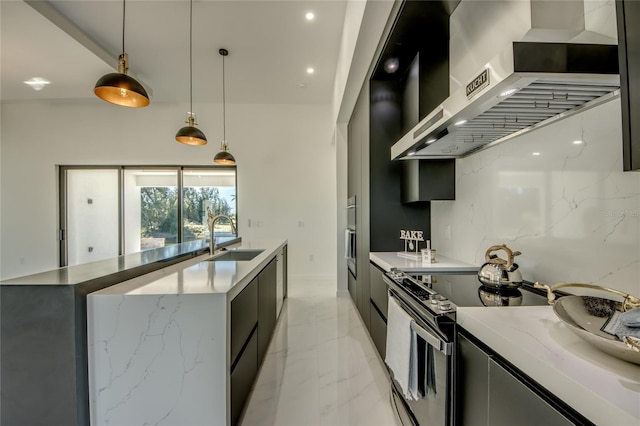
(498, 272)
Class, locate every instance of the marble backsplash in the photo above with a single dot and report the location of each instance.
(567, 206)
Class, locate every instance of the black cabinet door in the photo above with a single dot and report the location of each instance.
(427, 180)
(473, 381)
(491, 392)
(379, 309)
(378, 290)
(378, 330)
(267, 283)
(513, 403)
(242, 377)
(244, 316)
(628, 20)
(352, 284)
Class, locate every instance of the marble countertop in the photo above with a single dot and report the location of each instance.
(443, 265)
(78, 274)
(602, 388)
(204, 277)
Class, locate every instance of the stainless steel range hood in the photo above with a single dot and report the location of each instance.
(516, 66)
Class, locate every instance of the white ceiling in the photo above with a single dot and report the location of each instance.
(271, 45)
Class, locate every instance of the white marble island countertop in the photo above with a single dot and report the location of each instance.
(443, 265)
(602, 388)
(204, 277)
(159, 346)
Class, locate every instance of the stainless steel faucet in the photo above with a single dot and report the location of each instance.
(211, 221)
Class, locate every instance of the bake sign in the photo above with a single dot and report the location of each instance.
(411, 235)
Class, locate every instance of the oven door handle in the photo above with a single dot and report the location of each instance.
(430, 338)
(434, 341)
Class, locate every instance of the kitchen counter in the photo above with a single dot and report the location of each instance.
(602, 388)
(118, 268)
(443, 265)
(226, 278)
(43, 331)
(164, 341)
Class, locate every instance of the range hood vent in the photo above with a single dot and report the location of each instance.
(527, 85)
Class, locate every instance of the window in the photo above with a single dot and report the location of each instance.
(113, 210)
(207, 189)
(150, 208)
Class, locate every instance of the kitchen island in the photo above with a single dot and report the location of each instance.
(602, 388)
(184, 348)
(43, 360)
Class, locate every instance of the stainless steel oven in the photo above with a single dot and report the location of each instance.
(431, 301)
(434, 327)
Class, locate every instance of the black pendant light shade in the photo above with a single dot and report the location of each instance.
(117, 87)
(224, 157)
(190, 134)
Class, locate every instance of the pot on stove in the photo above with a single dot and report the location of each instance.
(498, 272)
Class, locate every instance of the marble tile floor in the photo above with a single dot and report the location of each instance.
(321, 367)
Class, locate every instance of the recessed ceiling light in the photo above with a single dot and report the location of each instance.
(37, 83)
(310, 70)
(536, 154)
(460, 123)
(432, 140)
(309, 16)
(411, 153)
(577, 142)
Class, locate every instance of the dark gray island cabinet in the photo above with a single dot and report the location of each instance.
(185, 348)
(43, 339)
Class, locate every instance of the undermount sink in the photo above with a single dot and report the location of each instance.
(233, 255)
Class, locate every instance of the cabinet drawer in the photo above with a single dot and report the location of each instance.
(379, 294)
(242, 377)
(244, 316)
(267, 283)
(378, 331)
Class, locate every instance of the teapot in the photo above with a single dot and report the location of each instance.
(498, 272)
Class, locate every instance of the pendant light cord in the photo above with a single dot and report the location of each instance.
(191, 57)
(124, 9)
(224, 107)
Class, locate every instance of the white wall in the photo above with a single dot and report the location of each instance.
(286, 170)
(571, 211)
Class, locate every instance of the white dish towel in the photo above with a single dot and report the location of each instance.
(402, 352)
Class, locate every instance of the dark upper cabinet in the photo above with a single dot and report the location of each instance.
(416, 57)
(628, 19)
(428, 180)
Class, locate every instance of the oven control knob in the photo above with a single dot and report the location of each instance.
(444, 304)
(435, 299)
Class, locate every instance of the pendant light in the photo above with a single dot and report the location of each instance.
(224, 156)
(117, 87)
(190, 134)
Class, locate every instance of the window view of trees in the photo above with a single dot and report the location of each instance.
(159, 211)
